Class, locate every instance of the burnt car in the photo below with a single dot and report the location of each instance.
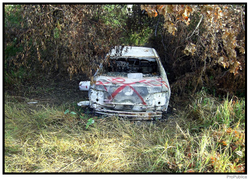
(131, 82)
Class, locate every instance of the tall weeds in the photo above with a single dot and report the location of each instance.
(210, 138)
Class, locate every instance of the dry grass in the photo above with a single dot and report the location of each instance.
(210, 138)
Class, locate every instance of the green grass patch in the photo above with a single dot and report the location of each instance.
(41, 138)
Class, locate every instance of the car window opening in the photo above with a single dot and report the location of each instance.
(122, 66)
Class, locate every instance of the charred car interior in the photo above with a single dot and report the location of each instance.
(131, 82)
(132, 65)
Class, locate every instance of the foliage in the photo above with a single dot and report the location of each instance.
(113, 14)
(89, 122)
(138, 38)
(198, 40)
(12, 19)
(42, 138)
(72, 113)
(139, 27)
(63, 38)
(199, 45)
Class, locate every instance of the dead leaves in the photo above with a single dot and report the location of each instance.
(190, 49)
(217, 19)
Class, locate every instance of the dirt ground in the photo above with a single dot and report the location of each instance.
(54, 90)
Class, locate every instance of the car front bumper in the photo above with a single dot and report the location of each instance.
(132, 115)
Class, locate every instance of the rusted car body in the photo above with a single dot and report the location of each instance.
(131, 82)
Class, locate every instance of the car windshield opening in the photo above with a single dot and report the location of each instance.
(131, 65)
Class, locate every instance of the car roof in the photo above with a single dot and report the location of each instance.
(133, 51)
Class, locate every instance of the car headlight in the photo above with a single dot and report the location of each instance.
(96, 96)
(156, 99)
